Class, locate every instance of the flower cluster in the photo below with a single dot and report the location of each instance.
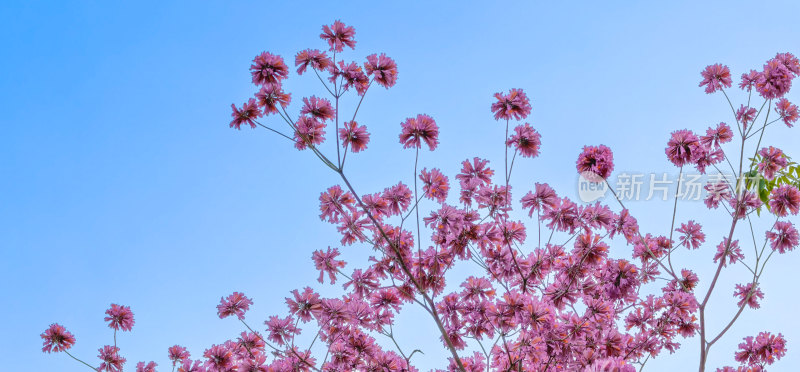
(565, 299)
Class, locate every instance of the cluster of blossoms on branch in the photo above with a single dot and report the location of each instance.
(546, 294)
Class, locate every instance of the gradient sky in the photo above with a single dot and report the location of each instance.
(121, 181)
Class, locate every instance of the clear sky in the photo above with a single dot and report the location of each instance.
(121, 181)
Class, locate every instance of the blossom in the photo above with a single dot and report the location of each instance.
(119, 317)
(112, 361)
(683, 148)
(384, 69)
(332, 203)
(281, 330)
(775, 80)
(219, 358)
(177, 354)
(353, 135)
(542, 199)
(435, 184)
(270, 96)
(743, 203)
(784, 237)
(190, 366)
(790, 62)
(309, 132)
(149, 367)
(246, 115)
(514, 105)
(772, 160)
(595, 161)
(338, 36)
(765, 348)
(399, 197)
(235, 304)
(754, 293)
(715, 77)
(745, 115)
(268, 68)
(475, 173)
(784, 199)
(304, 304)
(525, 140)
(692, 236)
(717, 136)
(352, 75)
(318, 108)
(419, 129)
(749, 80)
(326, 262)
(716, 192)
(787, 111)
(57, 339)
(730, 251)
(313, 58)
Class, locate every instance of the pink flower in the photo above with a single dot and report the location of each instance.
(766, 348)
(476, 172)
(744, 203)
(715, 77)
(119, 317)
(775, 80)
(219, 359)
(731, 252)
(338, 36)
(717, 136)
(270, 96)
(352, 75)
(326, 262)
(435, 184)
(772, 160)
(268, 68)
(57, 339)
(708, 157)
(544, 198)
(692, 235)
(189, 366)
(246, 115)
(236, 304)
(313, 58)
(790, 61)
(787, 111)
(112, 361)
(354, 136)
(514, 105)
(743, 291)
(305, 304)
(149, 367)
(333, 202)
(309, 132)
(784, 238)
(683, 148)
(177, 354)
(526, 140)
(717, 192)
(419, 129)
(745, 115)
(595, 162)
(281, 330)
(399, 197)
(384, 68)
(784, 199)
(749, 80)
(318, 108)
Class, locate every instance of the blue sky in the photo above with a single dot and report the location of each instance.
(123, 183)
